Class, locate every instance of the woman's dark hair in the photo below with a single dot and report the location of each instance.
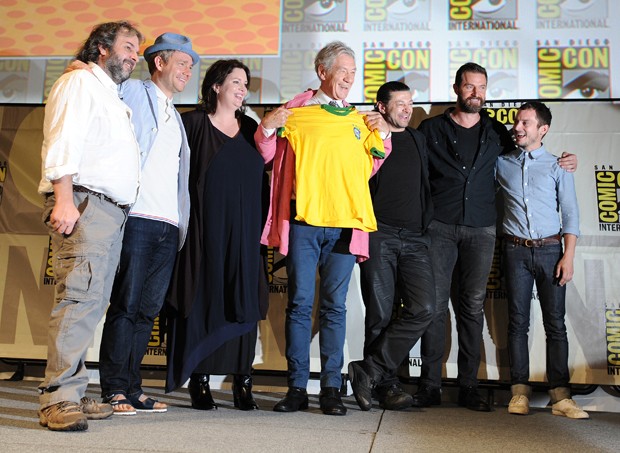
(105, 35)
(215, 75)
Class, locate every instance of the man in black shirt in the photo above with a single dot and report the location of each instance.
(399, 269)
(464, 144)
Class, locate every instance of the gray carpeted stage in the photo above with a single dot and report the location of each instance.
(447, 428)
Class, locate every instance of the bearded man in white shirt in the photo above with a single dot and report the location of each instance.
(90, 175)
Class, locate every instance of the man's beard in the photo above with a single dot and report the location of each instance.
(116, 67)
(466, 107)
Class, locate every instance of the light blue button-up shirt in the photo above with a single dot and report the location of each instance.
(539, 196)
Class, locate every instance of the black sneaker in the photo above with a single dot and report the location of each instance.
(471, 399)
(427, 396)
(394, 398)
(362, 384)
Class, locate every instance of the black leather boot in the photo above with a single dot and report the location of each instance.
(242, 393)
(200, 393)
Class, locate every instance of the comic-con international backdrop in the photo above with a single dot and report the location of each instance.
(554, 49)
(589, 129)
(550, 49)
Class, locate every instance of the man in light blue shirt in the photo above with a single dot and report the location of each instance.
(540, 209)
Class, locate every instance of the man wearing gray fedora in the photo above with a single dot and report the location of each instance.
(156, 226)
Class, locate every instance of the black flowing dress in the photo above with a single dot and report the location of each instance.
(219, 289)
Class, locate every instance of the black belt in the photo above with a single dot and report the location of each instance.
(551, 240)
(83, 189)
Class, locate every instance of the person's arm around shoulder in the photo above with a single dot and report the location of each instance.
(568, 162)
(564, 269)
(64, 215)
(76, 65)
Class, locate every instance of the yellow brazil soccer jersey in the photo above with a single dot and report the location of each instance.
(333, 161)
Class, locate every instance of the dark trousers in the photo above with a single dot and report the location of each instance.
(145, 269)
(524, 266)
(399, 264)
(468, 253)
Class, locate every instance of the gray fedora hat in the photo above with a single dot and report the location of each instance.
(172, 41)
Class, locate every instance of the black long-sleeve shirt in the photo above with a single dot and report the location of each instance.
(400, 190)
(464, 193)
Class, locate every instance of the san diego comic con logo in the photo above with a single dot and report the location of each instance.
(408, 62)
(482, 15)
(157, 344)
(612, 335)
(314, 16)
(48, 277)
(578, 69)
(500, 57)
(397, 15)
(496, 285)
(559, 14)
(276, 272)
(504, 112)
(607, 197)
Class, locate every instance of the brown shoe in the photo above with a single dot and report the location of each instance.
(63, 416)
(94, 410)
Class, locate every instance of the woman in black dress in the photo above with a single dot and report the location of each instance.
(219, 288)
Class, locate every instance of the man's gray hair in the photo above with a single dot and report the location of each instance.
(328, 54)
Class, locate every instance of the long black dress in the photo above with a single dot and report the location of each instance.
(219, 290)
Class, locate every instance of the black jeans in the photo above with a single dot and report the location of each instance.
(466, 252)
(400, 264)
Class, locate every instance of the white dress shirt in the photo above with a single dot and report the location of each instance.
(87, 133)
(159, 185)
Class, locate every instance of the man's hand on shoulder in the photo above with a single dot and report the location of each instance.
(568, 162)
(75, 65)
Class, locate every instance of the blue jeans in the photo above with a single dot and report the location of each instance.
(84, 263)
(327, 248)
(524, 266)
(468, 253)
(147, 259)
(399, 266)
